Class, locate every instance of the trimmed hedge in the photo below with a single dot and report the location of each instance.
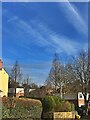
(21, 108)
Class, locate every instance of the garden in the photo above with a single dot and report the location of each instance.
(52, 104)
(27, 108)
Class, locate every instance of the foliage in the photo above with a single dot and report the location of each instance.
(5, 112)
(48, 104)
(22, 108)
(72, 107)
(65, 106)
(73, 76)
(55, 104)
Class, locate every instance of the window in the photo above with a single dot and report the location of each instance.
(80, 96)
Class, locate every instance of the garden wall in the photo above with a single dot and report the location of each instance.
(65, 115)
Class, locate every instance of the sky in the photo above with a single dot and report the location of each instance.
(33, 31)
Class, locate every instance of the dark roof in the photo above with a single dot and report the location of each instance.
(17, 87)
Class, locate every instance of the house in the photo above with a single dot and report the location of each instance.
(30, 90)
(81, 101)
(19, 91)
(76, 98)
(3, 81)
(71, 97)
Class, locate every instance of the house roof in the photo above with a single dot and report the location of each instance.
(16, 87)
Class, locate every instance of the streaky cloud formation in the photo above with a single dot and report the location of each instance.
(75, 18)
(43, 36)
(33, 32)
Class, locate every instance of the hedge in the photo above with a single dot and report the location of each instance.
(21, 108)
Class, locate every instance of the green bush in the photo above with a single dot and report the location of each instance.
(72, 107)
(48, 104)
(5, 112)
(58, 103)
(55, 104)
(66, 106)
(21, 108)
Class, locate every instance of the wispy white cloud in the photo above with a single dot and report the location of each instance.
(40, 34)
(74, 17)
(43, 36)
(36, 32)
(12, 19)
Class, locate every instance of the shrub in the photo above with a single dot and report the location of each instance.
(72, 107)
(55, 104)
(66, 106)
(48, 104)
(21, 107)
(5, 112)
(58, 103)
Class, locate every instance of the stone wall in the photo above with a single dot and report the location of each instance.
(61, 115)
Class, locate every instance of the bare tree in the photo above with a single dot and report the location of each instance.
(69, 78)
(15, 74)
(80, 68)
(89, 68)
(56, 76)
(26, 85)
(54, 72)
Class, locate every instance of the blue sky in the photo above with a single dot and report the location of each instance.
(33, 32)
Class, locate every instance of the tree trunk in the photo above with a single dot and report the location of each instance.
(61, 91)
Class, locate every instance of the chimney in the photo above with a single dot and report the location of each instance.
(1, 64)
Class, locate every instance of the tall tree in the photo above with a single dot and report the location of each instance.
(56, 76)
(15, 74)
(89, 66)
(70, 78)
(80, 68)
